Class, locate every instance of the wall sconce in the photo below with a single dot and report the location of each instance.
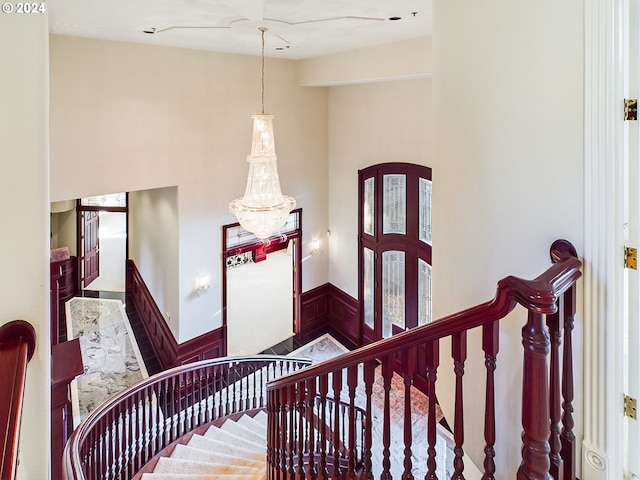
(203, 282)
(315, 248)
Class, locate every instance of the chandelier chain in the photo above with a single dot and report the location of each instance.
(263, 29)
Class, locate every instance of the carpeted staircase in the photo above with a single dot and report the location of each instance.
(236, 450)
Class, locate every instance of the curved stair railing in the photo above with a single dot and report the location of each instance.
(124, 433)
(548, 449)
(17, 344)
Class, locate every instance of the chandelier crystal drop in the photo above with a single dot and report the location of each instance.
(264, 209)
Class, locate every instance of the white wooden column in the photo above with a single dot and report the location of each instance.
(603, 255)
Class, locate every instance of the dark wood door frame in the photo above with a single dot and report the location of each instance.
(80, 209)
(273, 244)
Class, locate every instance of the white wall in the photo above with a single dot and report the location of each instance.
(24, 214)
(128, 117)
(508, 101)
(153, 246)
(369, 124)
(259, 304)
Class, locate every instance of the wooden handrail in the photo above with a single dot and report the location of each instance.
(540, 295)
(126, 431)
(548, 449)
(17, 344)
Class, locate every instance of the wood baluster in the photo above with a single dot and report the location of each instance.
(535, 400)
(209, 403)
(254, 376)
(567, 437)
(432, 362)
(115, 449)
(352, 383)
(409, 361)
(459, 354)
(132, 411)
(387, 373)
(369, 377)
(137, 443)
(337, 388)
(148, 425)
(311, 416)
(324, 388)
(161, 415)
(229, 388)
(275, 419)
(301, 430)
(290, 403)
(490, 344)
(555, 332)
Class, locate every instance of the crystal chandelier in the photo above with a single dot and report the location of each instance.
(263, 210)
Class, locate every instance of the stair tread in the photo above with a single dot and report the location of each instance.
(253, 424)
(177, 466)
(237, 435)
(188, 452)
(218, 445)
(240, 431)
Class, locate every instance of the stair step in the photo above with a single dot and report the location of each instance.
(253, 424)
(237, 438)
(177, 466)
(239, 431)
(218, 445)
(184, 452)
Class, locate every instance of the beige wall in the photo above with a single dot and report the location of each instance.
(130, 117)
(24, 215)
(406, 59)
(369, 124)
(508, 101)
(153, 246)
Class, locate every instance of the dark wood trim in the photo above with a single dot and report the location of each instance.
(80, 234)
(66, 364)
(314, 309)
(344, 314)
(170, 354)
(272, 244)
(17, 344)
(328, 306)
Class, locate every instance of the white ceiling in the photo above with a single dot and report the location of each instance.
(296, 28)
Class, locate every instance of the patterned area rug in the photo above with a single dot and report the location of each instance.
(110, 355)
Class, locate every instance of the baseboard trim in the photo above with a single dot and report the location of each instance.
(170, 354)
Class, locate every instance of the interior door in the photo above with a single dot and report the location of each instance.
(632, 234)
(91, 246)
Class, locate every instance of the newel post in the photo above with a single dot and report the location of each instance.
(535, 401)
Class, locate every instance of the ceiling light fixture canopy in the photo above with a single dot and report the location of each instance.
(264, 209)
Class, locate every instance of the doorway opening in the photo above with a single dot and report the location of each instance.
(102, 227)
(261, 284)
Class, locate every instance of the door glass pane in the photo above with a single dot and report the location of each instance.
(393, 288)
(424, 292)
(368, 287)
(109, 200)
(425, 210)
(394, 202)
(368, 212)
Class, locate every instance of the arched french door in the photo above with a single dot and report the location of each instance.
(394, 254)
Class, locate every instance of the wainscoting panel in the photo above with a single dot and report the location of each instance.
(168, 351)
(315, 309)
(344, 314)
(328, 306)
